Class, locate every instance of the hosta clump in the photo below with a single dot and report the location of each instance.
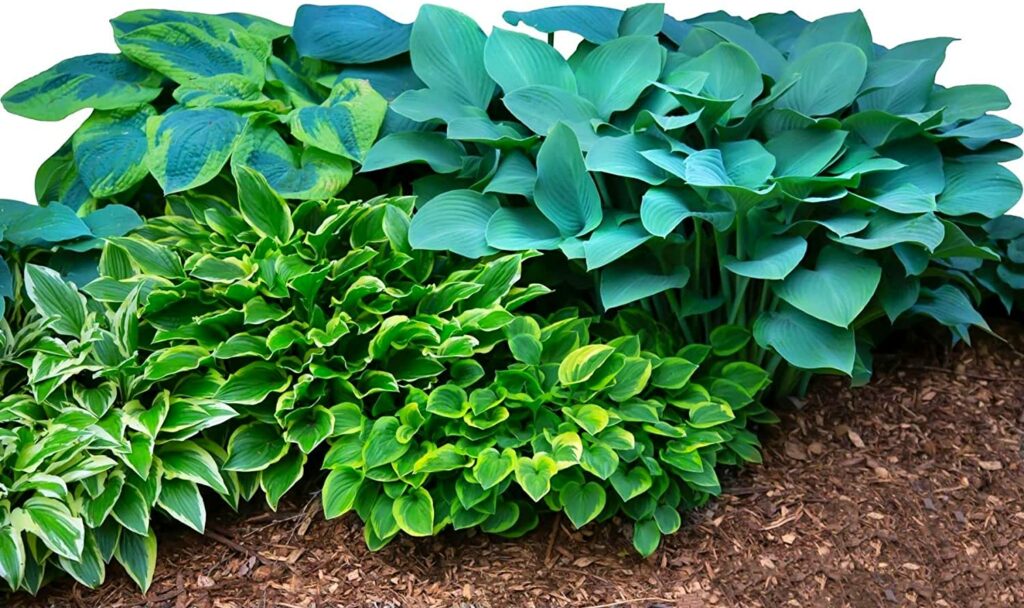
(565, 419)
(790, 178)
(88, 446)
(188, 95)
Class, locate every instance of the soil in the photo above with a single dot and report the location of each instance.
(908, 492)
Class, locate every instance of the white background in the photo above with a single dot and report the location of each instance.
(35, 34)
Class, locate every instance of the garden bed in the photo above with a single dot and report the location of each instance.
(907, 492)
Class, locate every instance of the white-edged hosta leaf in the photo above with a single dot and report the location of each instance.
(57, 300)
(281, 476)
(187, 460)
(52, 522)
(262, 208)
(254, 447)
(181, 500)
(137, 554)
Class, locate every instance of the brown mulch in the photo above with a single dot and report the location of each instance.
(906, 493)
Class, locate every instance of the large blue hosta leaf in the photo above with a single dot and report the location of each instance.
(188, 147)
(806, 342)
(348, 34)
(110, 150)
(515, 60)
(24, 225)
(101, 81)
(455, 221)
(838, 288)
(565, 193)
(447, 51)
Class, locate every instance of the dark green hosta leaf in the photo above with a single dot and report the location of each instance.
(829, 75)
(348, 34)
(582, 502)
(346, 124)
(281, 476)
(623, 283)
(772, 260)
(985, 189)
(138, 556)
(58, 301)
(646, 537)
(613, 75)
(189, 147)
(565, 192)
(382, 445)
(306, 173)
(340, 491)
(837, 290)
(254, 447)
(806, 342)
(434, 149)
(515, 60)
(110, 150)
(262, 208)
(725, 340)
(100, 81)
(308, 427)
(454, 221)
(447, 51)
(253, 383)
(187, 460)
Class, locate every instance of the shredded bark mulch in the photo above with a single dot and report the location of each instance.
(908, 492)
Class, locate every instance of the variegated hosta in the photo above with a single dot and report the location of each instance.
(89, 447)
(188, 95)
(564, 420)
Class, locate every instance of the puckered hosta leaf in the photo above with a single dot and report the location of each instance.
(281, 476)
(57, 181)
(434, 149)
(595, 24)
(773, 259)
(806, 342)
(137, 553)
(262, 208)
(622, 156)
(188, 147)
(346, 123)
(732, 74)
(613, 75)
(515, 60)
(454, 221)
(52, 522)
(565, 192)
(979, 188)
(199, 57)
(308, 174)
(830, 76)
(623, 283)
(837, 290)
(804, 152)
(101, 81)
(56, 300)
(181, 499)
(447, 49)
(348, 34)
(541, 107)
(520, 229)
(254, 447)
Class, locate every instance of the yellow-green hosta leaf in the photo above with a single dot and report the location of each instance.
(340, 491)
(189, 147)
(346, 124)
(414, 512)
(101, 81)
(492, 467)
(630, 484)
(382, 445)
(307, 173)
(579, 365)
(110, 150)
(534, 474)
